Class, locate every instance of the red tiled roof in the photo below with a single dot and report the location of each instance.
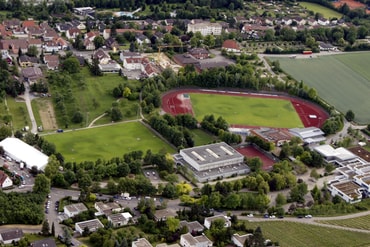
(230, 44)
(29, 23)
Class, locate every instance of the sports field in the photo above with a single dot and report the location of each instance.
(317, 8)
(251, 111)
(292, 234)
(106, 142)
(342, 80)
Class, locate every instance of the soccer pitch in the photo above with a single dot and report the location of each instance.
(341, 80)
(247, 111)
(106, 142)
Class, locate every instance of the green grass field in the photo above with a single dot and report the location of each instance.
(201, 137)
(106, 142)
(362, 222)
(248, 111)
(317, 8)
(341, 80)
(18, 110)
(292, 234)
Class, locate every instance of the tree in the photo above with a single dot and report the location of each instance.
(5, 131)
(280, 199)
(172, 224)
(116, 114)
(255, 164)
(95, 70)
(45, 230)
(350, 115)
(32, 51)
(256, 240)
(42, 184)
(67, 236)
(77, 117)
(71, 65)
(126, 92)
(98, 42)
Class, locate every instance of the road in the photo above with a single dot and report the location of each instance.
(27, 98)
(314, 221)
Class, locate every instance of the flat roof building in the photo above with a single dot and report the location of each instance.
(334, 155)
(309, 135)
(74, 209)
(92, 225)
(22, 152)
(141, 242)
(213, 161)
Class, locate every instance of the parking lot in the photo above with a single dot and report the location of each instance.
(27, 178)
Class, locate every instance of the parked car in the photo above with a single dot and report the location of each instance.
(308, 216)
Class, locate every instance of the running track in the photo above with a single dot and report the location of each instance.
(173, 105)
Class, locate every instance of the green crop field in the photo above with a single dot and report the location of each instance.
(249, 111)
(297, 234)
(362, 222)
(317, 8)
(106, 142)
(341, 80)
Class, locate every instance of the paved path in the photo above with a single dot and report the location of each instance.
(27, 98)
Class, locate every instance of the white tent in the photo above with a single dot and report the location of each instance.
(22, 152)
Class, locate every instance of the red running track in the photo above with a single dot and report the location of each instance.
(172, 104)
(252, 152)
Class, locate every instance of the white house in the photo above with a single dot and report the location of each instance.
(205, 28)
(208, 221)
(5, 181)
(323, 21)
(9, 235)
(239, 240)
(106, 208)
(187, 240)
(102, 56)
(141, 242)
(120, 219)
(74, 209)
(92, 225)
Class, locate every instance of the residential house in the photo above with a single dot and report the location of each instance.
(4, 32)
(78, 24)
(27, 61)
(49, 35)
(35, 31)
(163, 214)
(240, 19)
(5, 56)
(299, 20)
(269, 21)
(102, 56)
(148, 69)
(106, 208)
(12, 24)
(286, 21)
(112, 44)
(51, 61)
(48, 242)
(20, 33)
(35, 42)
(239, 240)
(141, 39)
(28, 23)
(132, 63)
(74, 209)
(89, 45)
(208, 221)
(311, 22)
(141, 242)
(323, 21)
(13, 45)
(231, 46)
(9, 235)
(120, 219)
(63, 27)
(92, 225)
(91, 35)
(158, 36)
(204, 27)
(31, 74)
(199, 53)
(5, 181)
(194, 227)
(187, 240)
(184, 59)
(72, 33)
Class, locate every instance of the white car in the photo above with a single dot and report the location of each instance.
(308, 216)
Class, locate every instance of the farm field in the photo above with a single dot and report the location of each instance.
(106, 142)
(251, 111)
(291, 234)
(317, 8)
(362, 222)
(341, 80)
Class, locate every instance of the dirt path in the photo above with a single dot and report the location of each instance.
(47, 115)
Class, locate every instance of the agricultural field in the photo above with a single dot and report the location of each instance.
(317, 8)
(251, 111)
(291, 234)
(341, 80)
(106, 142)
(362, 222)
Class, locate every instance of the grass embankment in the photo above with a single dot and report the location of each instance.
(106, 142)
(249, 111)
(317, 8)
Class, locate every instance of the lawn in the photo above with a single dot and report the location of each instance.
(342, 80)
(201, 137)
(106, 142)
(93, 98)
(37, 104)
(18, 110)
(362, 222)
(298, 234)
(249, 111)
(317, 8)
